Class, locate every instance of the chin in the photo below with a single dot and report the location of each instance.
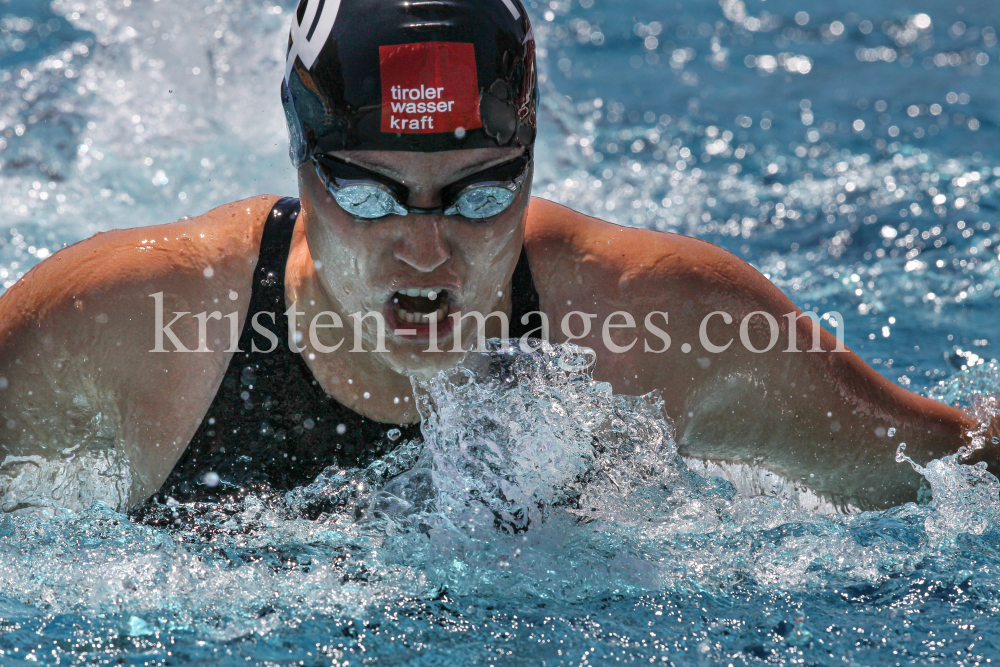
(416, 362)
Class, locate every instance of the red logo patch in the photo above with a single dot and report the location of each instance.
(429, 87)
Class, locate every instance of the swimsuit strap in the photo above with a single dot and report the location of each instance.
(523, 297)
(269, 276)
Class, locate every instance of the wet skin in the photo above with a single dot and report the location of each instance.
(77, 330)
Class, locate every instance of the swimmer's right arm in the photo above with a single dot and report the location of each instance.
(78, 334)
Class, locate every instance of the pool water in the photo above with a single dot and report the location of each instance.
(849, 151)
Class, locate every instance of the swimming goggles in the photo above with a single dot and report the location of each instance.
(369, 195)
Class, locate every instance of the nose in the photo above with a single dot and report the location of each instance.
(422, 243)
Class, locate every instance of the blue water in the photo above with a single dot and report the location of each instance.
(851, 155)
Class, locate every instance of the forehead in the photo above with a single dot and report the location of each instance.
(438, 167)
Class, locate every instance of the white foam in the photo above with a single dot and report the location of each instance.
(752, 480)
(36, 485)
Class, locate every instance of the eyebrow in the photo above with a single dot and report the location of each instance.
(462, 173)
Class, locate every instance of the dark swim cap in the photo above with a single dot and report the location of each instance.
(409, 75)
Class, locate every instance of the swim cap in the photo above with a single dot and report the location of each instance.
(409, 75)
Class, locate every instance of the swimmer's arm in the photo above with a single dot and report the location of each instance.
(820, 418)
(76, 334)
(824, 419)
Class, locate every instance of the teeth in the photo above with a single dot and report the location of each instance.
(421, 318)
(437, 314)
(431, 293)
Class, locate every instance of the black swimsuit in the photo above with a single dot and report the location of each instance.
(271, 423)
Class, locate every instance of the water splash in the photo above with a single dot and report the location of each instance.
(520, 451)
(43, 486)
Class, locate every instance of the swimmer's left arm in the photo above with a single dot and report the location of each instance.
(822, 418)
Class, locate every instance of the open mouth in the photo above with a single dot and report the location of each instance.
(421, 306)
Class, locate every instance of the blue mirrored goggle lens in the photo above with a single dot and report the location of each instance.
(367, 201)
(482, 202)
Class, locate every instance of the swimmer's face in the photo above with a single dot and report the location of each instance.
(370, 265)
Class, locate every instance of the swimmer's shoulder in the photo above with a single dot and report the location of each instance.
(628, 262)
(190, 260)
(79, 341)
